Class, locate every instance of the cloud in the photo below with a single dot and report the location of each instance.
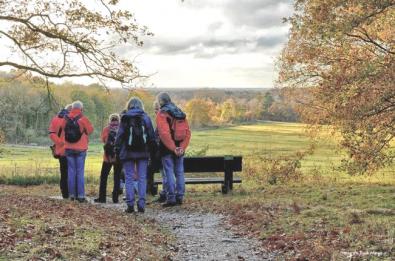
(237, 27)
(211, 46)
(258, 13)
(202, 37)
(254, 13)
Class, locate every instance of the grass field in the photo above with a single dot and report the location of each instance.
(34, 165)
(324, 214)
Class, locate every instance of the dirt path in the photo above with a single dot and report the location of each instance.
(201, 236)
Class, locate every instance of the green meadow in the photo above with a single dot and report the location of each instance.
(32, 165)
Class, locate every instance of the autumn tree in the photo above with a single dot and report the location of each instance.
(341, 53)
(253, 109)
(228, 111)
(267, 102)
(200, 112)
(61, 39)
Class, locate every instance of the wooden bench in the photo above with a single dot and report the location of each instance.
(226, 164)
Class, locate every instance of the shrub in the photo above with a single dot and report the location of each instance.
(263, 169)
(2, 140)
(197, 152)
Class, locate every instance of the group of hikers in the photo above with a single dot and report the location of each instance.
(130, 143)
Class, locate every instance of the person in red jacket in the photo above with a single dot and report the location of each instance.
(56, 134)
(174, 135)
(77, 129)
(108, 136)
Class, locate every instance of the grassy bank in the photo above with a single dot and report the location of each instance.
(35, 227)
(310, 221)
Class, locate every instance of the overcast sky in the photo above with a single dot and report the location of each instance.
(207, 43)
(211, 43)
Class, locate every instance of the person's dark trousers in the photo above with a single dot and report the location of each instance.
(105, 171)
(63, 177)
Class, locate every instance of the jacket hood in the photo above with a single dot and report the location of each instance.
(173, 110)
(134, 112)
(74, 112)
(62, 113)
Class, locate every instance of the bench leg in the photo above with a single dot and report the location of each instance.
(228, 179)
(231, 180)
(224, 189)
(227, 186)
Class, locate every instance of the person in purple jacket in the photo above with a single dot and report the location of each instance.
(134, 143)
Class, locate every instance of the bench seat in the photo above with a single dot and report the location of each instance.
(215, 180)
(210, 164)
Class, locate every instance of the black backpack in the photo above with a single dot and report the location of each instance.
(72, 132)
(136, 137)
(109, 147)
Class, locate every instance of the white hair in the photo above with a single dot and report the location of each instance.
(77, 105)
(113, 116)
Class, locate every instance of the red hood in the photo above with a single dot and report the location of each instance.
(74, 112)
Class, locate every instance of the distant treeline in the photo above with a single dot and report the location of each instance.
(28, 103)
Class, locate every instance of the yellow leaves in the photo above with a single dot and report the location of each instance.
(349, 46)
(74, 34)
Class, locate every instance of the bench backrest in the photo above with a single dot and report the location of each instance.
(212, 164)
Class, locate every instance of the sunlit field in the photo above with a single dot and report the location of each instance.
(34, 165)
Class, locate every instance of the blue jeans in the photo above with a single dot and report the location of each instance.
(174, 171)
(163, 193)
(130, 167)
(75, 180)
(136, 186)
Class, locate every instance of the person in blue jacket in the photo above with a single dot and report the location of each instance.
(134, 143)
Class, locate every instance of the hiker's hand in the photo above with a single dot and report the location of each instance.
(179, 151)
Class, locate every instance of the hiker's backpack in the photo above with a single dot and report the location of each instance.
(72, 132)
(179, 128)
(109, 147)
(136, 134)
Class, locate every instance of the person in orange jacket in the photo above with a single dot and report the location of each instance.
(174, 134)
(108, 136)
(77, 129)
(56, 134)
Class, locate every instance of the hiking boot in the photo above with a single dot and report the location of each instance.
(72, 198)
(169, 204)
(99, 200)
(130, 209)
(81, 200)
(161, 199)
(140, 210)
(178, 201)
